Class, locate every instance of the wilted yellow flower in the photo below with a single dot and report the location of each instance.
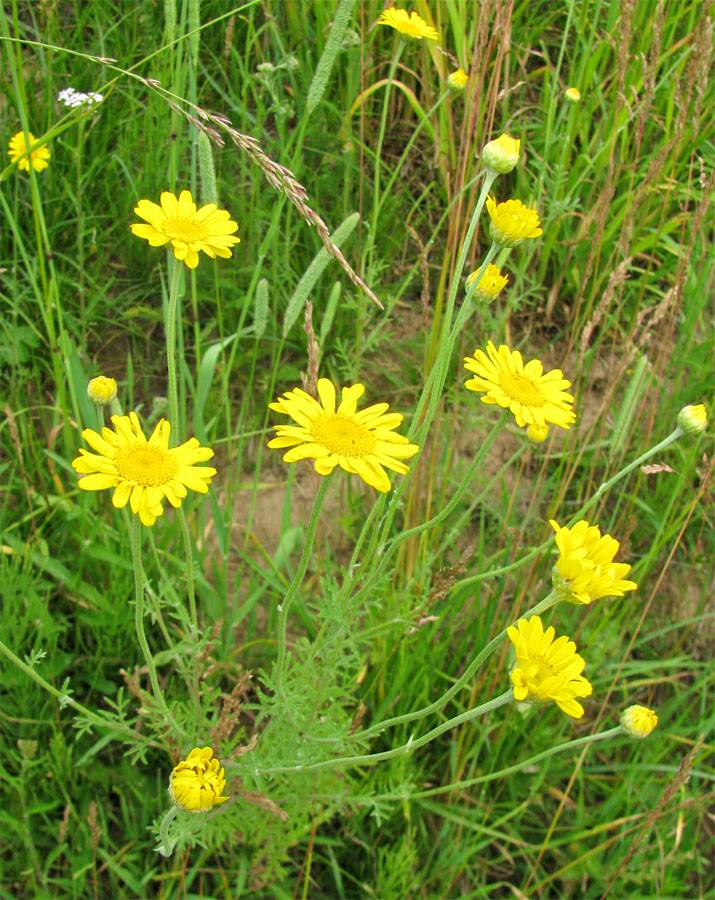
(547, 669)
(533, 396)
(197, 782)
(693, 419)
(359, 442)
(18, 147)
(501, 155)
(142, 472)
(585, 570)
(572, 94)
(490, 284)
(537, 434)
(177, 221)
(409, 24)
(102, 390)
(458, 80)
(638, 721)
(512, 222)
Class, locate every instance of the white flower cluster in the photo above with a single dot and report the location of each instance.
(71, 97)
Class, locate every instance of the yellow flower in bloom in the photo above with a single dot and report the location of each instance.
(547, 669)
(512, 222)
(537, 434)
(501, 156)
(18, 147)
(533, 396)
(102, 390)
(409, 24)
(490, 284)
(585, 570)
(693, 419)
(638, 721)
(197, 781)
(142, 471)
(572, 94)
(177, 221)
(359, 442)
(458, 80)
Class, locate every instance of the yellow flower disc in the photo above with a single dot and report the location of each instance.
(18, 147)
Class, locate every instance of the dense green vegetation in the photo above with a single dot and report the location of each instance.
(617, 293)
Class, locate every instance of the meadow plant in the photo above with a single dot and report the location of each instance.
(299, 690)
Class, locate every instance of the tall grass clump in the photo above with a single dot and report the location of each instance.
(356, 367)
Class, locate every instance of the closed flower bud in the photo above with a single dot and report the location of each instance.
(572, 95)
(458, 80)
(638, 721)
(537, 434)
(693, 419)
(102, 390)
(490, 284)
(501, 155)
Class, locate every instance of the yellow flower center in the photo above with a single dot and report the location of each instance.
(521, 388)
(344, 436)
(145, 466)
(184, 230)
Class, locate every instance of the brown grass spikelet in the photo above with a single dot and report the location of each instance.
(231, 709)
(310, 380)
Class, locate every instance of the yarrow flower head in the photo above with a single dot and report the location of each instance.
(409, 24)
(547, 669)
(491, 284)
(693, 419)
(18, 147)
(102, 390)
(177, 221)
(572, 95)
(457, 80)
(501, 156)
(359, 442)
(585, 570)
(638, 721)
(512, 222)
(197, 782)
(533, 396)
(142, 472)
(70, 97)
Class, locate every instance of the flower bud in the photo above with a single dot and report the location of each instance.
(693, 419)
(501, 155)
(102, 390)
(638, 721)
(457, 81)
(537, 434)
(490, 284)
(572, 95)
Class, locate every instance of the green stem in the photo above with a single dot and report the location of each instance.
(170, 330)
(461, 682)
(517, 767)
(66, 700)
(166, 847)
(139, 586)
(371, 758)
(284, 607)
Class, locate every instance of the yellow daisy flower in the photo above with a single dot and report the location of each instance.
(533, 396)
(638, 721)
(491, 284)
(359, 442)
(585, 570)
(512, 222)
(197, 781)
(177, 221)
(142, 472)
(547, 669)
(18, 147)
(409, 24)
